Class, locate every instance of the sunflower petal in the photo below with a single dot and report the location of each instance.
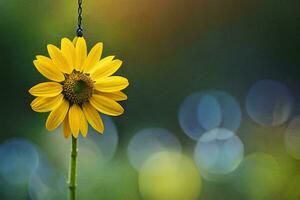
(105, 69)
(74, 41)
(107, 58)
(81, 52)
(93, 117)
(74, 119)
(46, 104)
(57, 116)
(46, 89)
(46, 67)
(106, 105)
(66, 127)
(83, 125)
(68, 50)
(93, 57)
(117, 96)
(59, 59)
(47, 60)
(111, 84)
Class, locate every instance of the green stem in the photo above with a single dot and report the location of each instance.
(72, 174)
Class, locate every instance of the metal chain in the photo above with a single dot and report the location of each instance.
(79, 30)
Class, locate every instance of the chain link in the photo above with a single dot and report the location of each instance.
(79, 30)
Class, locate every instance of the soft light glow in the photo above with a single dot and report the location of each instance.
(169, 175)
(219, 151)
(203, 111)
(19, 158)
(258, 176)
(46, 182)
(209, 112)
(269, 103)
(148, 142)
(104, 144)
(107, 142)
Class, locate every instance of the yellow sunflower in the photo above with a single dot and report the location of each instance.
(81, 85)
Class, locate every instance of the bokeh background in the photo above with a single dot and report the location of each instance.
(213, 108)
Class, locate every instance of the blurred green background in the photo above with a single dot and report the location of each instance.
(171, 49)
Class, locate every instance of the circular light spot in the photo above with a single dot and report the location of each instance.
(148, 142)
(218, 151)
(258, 176)
(169, 175)
(19, 158)
(95, 152)
(292, 138)
(269, 103)
(107, 142)
(203, 111)
(209, 112)
(45, 182)
(104, 144)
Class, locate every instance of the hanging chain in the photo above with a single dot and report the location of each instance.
(79, 30)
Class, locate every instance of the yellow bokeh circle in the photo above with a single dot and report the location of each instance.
(169, 176)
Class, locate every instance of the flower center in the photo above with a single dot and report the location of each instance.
(78, 88)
